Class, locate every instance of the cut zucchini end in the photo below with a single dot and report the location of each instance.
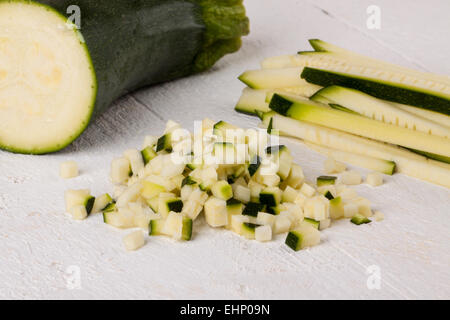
(359, 219)
(49, 106)
(294, 240)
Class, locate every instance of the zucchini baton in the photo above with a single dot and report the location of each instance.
(54, 76)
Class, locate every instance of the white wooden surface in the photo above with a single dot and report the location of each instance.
(38, 242)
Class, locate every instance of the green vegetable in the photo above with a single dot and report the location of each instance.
(354, 101)
(326, 180)
(252, 209)
(392, 90)
(368, 152)
(148, 154)
(309, 111)
(359, 219)
(122, 46)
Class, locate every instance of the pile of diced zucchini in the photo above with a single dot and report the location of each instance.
(252, 188)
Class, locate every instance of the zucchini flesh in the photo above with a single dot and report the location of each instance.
(72, 75)
(440, 118)
(252, 101)
(273, 78)
(305, 110)
(406, 162)
(382, 87)
(376, 109)
(330, 49)
(379, 165)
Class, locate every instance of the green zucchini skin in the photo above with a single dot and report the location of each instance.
(379, 89)
(138, 43)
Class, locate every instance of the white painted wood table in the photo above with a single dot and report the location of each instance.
(40, 246)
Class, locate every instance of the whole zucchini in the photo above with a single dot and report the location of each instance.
(54, 77)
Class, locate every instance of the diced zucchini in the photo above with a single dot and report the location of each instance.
(222, 190)
(151, 190)
(254, 165)
(282, 224)
(110, 207)
(333, 166)
(120, 170)
(263, 233)
(350, 210)
(252, 209)
(74, 198)
(134, 241)
(248, 230)
(359, 219)
(148, 154)
(337, 208)
(307, 190)
(284, 160)
(130, 194)
(68, 170)
(276, 210)
(216, 212)
(302, 237)
(374, 179)
(326, 180)
(289, 194)
(136, 161)
(164, 143)
(186, 232)
(329, 195)
(317, 208)
(153, 203)
(188, 181)
(270, 197)
(224, 131)
(351, 178)
(312, 222)
(78, 212)
(296, 176)
(156, 227)
(242, 194)
(101, 203)
(265, 218)
(107, 216)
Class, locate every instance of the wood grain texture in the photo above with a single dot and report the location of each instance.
(38, 242)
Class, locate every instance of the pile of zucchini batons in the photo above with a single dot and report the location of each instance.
(356, 109)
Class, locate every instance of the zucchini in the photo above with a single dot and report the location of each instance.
(379, 165)
(305, 110)
(251, 101)
(326, 180)
(329, 50)
(368, 106)
(164, 143)
(440, 118)
(70, 75)
(156, 227)
(406, 162)
(222, 190)
(273, 78)
(270, 197)
(378, 86)
(252, 208)
(359, 219)
(148, 154)
(302, 237)
(283, 159)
